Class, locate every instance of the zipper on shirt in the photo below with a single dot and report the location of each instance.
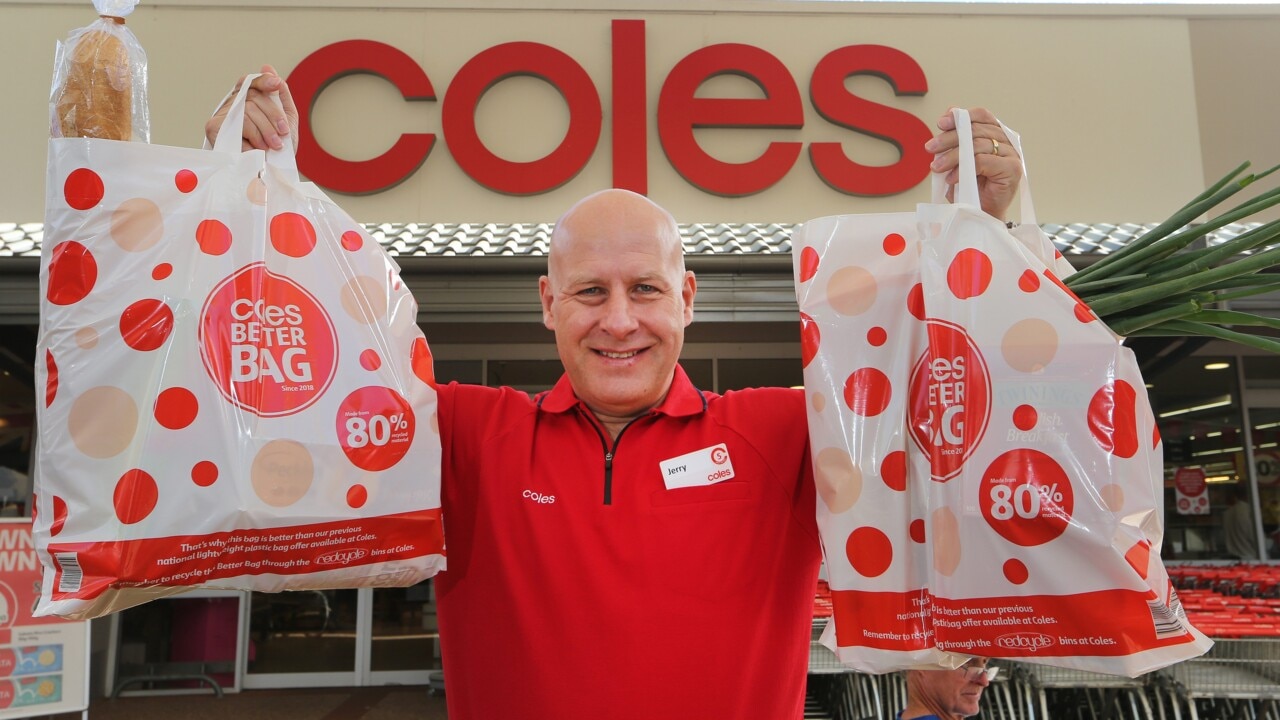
(609, 452)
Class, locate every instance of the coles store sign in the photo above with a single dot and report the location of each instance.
(679, 112)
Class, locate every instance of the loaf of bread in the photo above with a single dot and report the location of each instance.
(96, 96)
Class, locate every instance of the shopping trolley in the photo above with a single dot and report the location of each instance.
(1065, 693)
(1237, 679)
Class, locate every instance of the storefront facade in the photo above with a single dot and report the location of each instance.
(747, 117)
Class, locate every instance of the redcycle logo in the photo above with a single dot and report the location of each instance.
(950, 399)
(342, 557)
(266, 342)
(1032, 642)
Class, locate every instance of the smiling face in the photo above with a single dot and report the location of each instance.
(618, 298)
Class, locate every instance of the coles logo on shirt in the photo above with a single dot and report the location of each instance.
(950, 399)
(267, 343)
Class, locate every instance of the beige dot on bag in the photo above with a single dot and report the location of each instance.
(839, 480)
(137, 225)
(282, 472)
(435, 423)
(851, 290)
(1029, 345)
(819, 402)
(1112, 496)
(103, 421)
(365, 299)
(946, 541)
(257, 192)
(87, 338)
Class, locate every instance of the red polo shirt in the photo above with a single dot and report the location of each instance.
(581, 586)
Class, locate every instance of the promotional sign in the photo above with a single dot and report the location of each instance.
(44, 661)
(1191, 492)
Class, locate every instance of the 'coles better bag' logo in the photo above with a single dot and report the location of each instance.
(950, 399)
(267, 343)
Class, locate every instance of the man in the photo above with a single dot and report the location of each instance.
(947, 694)
(1237, 525)
(593, 571)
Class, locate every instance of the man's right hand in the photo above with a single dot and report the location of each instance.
(264, 122)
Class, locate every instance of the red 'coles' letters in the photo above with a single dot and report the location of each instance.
(679, 113)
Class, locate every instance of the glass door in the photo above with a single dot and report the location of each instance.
(303, 638)
(403, 638)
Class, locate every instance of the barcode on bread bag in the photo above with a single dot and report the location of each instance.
(69, 578)
(1167, 619)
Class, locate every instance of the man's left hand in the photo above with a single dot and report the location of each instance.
(998, 164)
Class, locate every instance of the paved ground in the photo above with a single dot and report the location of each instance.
(376, 703)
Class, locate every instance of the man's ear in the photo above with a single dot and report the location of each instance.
(544, 290)
(688, 289)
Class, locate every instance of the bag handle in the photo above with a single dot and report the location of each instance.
(229, 135)
(967, 187)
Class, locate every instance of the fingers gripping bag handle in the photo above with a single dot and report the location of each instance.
(1045, 481)
(229, 140)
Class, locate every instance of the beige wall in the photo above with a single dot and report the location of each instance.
(1116, 109)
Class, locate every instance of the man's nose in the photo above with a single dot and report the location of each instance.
(619, 316)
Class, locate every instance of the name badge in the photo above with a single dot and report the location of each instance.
(707, 466)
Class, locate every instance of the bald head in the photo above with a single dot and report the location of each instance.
(620, 217)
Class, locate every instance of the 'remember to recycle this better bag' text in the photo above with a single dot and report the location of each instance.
(236, 391)
(988, 463)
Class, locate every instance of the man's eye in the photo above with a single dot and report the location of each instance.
(646, 289)
(591, 291)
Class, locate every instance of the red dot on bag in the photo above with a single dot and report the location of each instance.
(369, 360)
(808, 264)
(176, 408)
(1029, 281)
(351, 241)
(869, 551)
(146, 324)
(161, 271)
(204, 473)
(916, 531)
(915, 301)
(135, 496)
(894, 244)
(59, 514)
(51, 378)
(420, 360)
(213, 237)
(1025, 417)
(969, 274)
(893, 471)
(1155, 437)
(1015, 571)
(73, 271)
(1084, 314)
(810, 339)
(1139, 557)
(83, 189)
(1113, 418)
(185, 180)
(292, 234)
(877, 336)
(1026, 497)
(867, 392)
(357, 496)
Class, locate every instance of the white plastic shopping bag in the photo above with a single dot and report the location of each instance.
(988, 463)
(236, 392)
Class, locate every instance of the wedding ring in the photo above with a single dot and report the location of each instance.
(995, 147)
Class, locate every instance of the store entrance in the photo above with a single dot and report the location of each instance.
(327, 638)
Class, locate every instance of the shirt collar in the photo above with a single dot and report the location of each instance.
(683, 399)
